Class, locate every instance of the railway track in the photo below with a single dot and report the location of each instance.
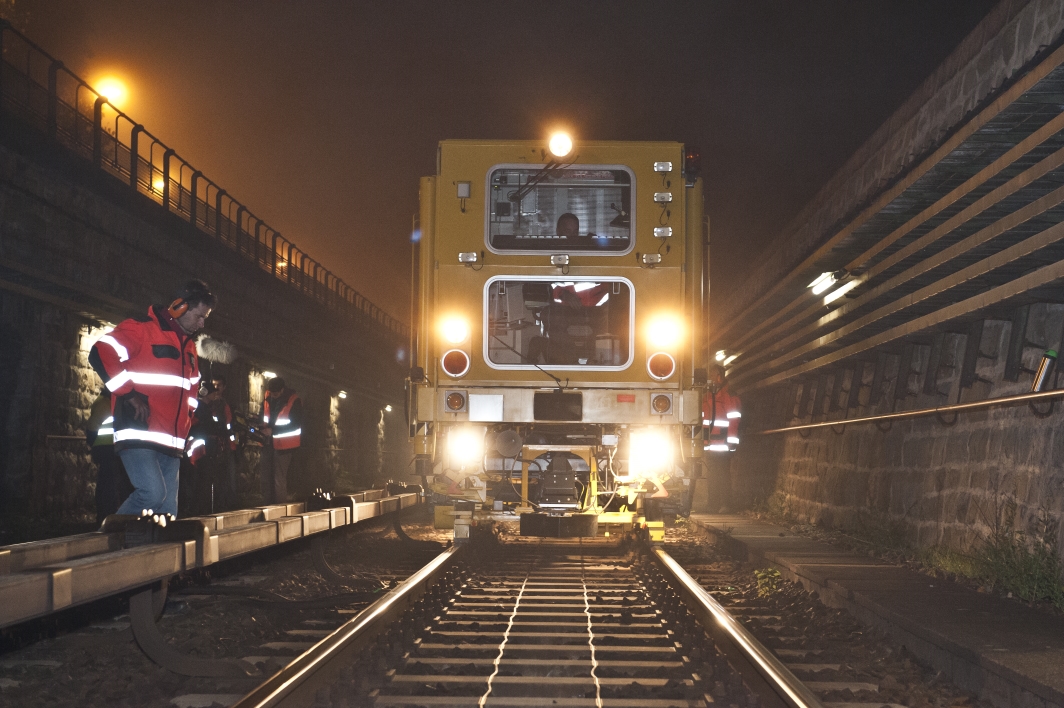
(539, 623)
(524, 622)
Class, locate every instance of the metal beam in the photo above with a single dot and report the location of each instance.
(1010, 95)
(1002, 258)
(981, 237)
(1047, 275)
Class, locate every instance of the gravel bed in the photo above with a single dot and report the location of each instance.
(233, 610)
(828, 645)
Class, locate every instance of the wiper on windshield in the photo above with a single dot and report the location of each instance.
(558, 381)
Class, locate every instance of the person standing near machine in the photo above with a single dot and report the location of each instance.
(112, 485)
(229, 492)
(721, 413)
(282, 424)
(150, 366)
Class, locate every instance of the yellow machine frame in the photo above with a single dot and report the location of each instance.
(454, 261)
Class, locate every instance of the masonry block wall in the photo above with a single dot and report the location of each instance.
(939, 480)
(78, 251)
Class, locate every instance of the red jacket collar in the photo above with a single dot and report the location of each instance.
(167, 323)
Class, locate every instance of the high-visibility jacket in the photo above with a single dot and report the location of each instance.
(99, 428)
(212, 430)
(150, 359)
(285, 418)
(721, 412)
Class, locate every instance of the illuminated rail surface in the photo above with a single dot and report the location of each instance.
(530, 623)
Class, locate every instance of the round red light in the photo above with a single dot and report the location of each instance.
(455, 363)
(455, 401)
(661, 365)
(661, 403)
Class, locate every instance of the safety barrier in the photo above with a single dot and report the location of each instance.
(42, 577)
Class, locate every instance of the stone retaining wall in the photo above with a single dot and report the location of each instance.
(79, 251)
(935, 481)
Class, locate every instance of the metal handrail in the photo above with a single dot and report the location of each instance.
(124, 149)
(787, 686)
(951, 408)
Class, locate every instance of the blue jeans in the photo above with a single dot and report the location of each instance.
(155, 477)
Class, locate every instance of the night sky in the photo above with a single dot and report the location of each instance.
(321, 116)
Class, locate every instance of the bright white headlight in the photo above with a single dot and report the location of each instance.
(650, 452)
(455, 329)
(665, 331)
(465, 446)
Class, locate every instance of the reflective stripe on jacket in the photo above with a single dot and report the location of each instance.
(287, 424)
(150, 360)
(99, 428)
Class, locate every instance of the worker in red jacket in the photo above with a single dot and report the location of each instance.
(721, 413)
(150, 366)
(282, 424)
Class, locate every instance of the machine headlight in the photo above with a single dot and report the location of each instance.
(665, 331)
(465, 446)
(455, 329)
(650, 452)
(561, 144)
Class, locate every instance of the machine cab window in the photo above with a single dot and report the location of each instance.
(576, 209)
(560, 323)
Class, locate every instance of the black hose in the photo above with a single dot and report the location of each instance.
(268, 597)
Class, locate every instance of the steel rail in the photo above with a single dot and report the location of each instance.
(297, 683)
(790, 690)
(951, 408)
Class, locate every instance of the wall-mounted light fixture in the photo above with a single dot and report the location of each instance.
(268, 375)
(825, 280)
(835, 295)
(342, 394)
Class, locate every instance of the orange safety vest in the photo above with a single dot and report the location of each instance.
(288, 439)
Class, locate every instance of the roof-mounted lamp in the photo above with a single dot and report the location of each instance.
(560, 144)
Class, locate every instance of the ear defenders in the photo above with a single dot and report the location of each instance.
(178, 307)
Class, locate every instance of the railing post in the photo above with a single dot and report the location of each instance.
(291, 265)
(273, 253)
(258, 234)
(134, 154)
(97, 131)
(53, 96)
(218, 213)
(192, 207)
(166, 177)
(239, 224)
(260, 244)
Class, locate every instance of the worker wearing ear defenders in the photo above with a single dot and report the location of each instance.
(150, 366)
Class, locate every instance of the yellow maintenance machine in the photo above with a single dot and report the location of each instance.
(558, 326)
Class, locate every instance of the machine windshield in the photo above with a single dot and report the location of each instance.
(564, 323)
(570, 209)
